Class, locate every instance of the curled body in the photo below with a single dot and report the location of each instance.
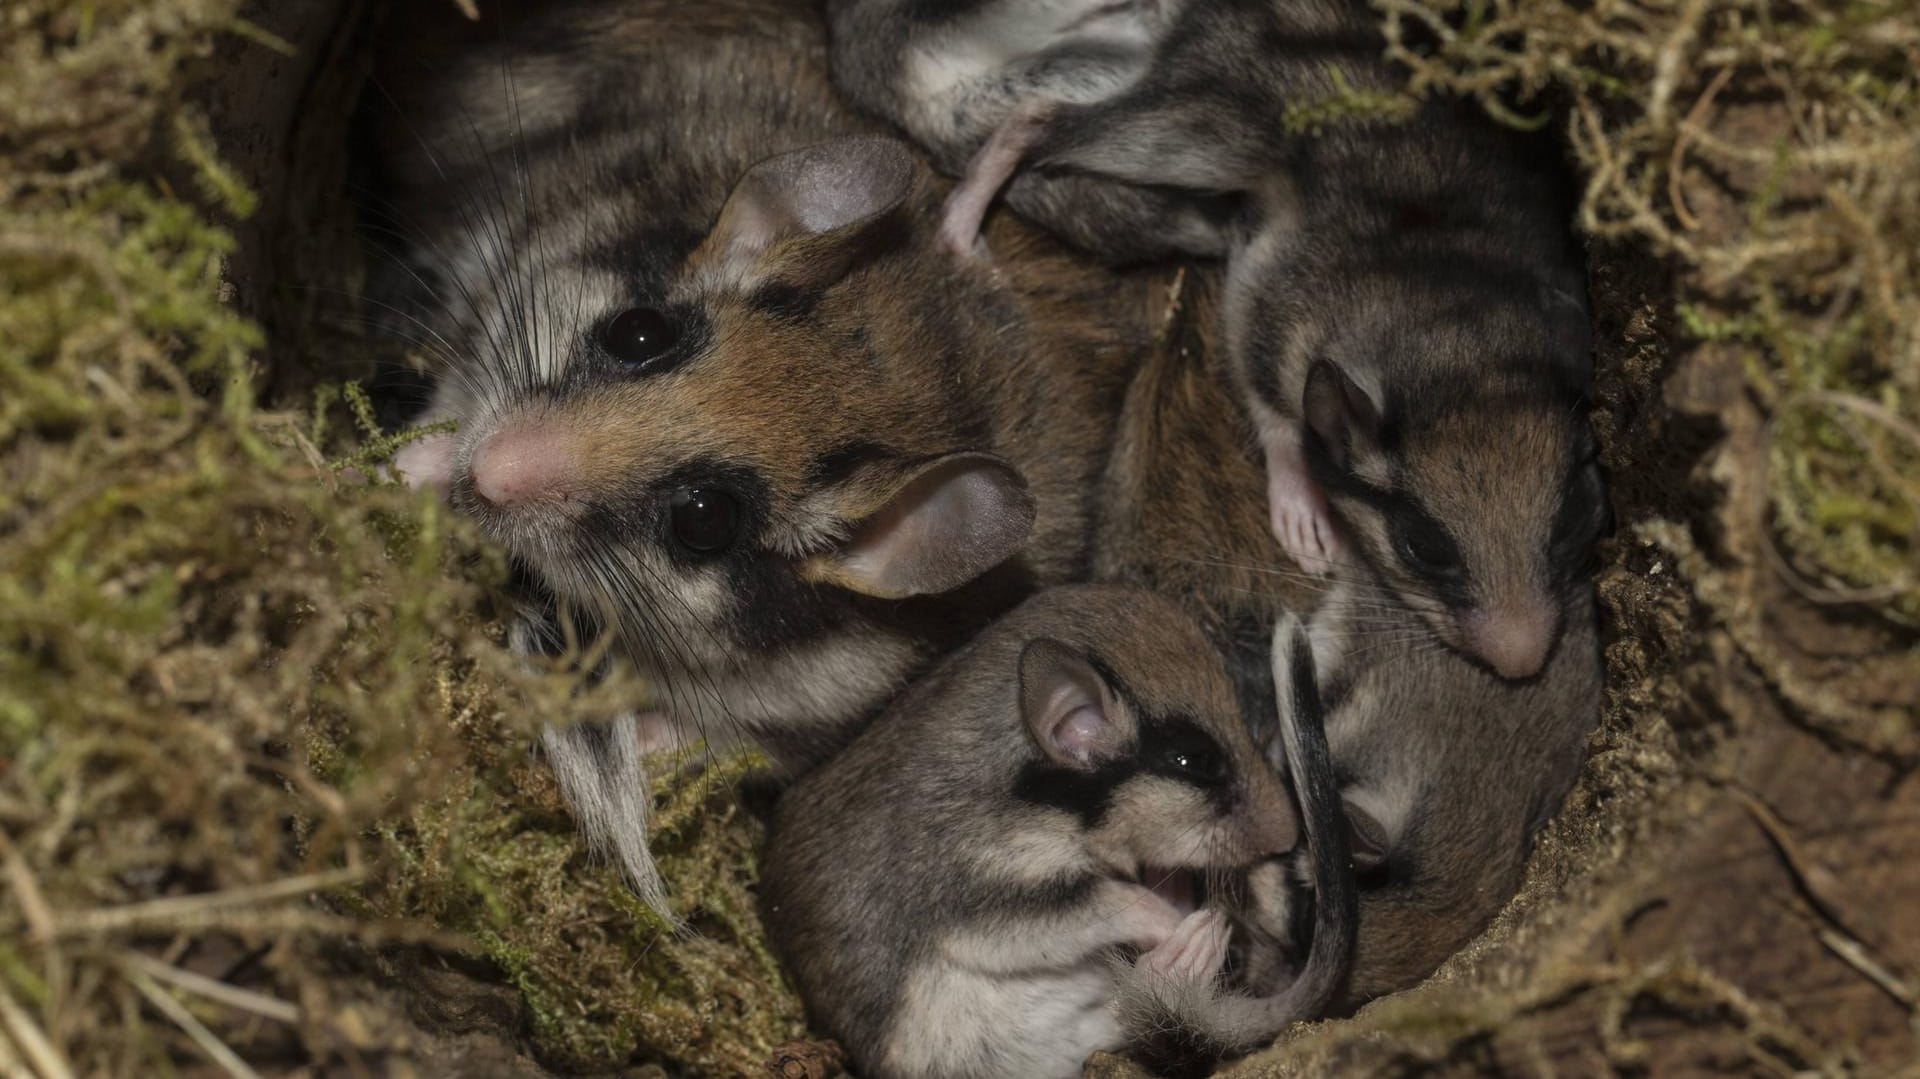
(1443, 773)
(951, 74)
(1403, 314)
(958, 892)
(1447, 773)
(679, 302)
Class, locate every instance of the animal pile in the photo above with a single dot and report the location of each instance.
(858, 469)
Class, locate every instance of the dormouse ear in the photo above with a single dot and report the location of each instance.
(804, 216)
(1071, 712)
(1339, 413)
(946, 523)
(1367, 843)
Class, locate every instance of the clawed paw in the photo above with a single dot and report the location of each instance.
(1304, 527)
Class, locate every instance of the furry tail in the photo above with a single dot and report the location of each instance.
(1183, 1027)
(1336, 901)
(598, 765)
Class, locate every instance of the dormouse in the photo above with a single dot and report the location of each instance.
(958, 892)
(1404, 309)
(714, 384)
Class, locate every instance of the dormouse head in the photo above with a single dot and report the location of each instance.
(741, 445)
(1136, 732)
(1444, 771)
(1477, 500)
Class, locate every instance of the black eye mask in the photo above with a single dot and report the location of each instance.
(1424, 547)
(1178, 749)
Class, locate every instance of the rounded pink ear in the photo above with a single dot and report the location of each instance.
(824, 198)
(1083, 732)
(947, 523)
(1071, 713)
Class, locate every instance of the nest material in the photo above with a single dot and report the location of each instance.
(263, 778)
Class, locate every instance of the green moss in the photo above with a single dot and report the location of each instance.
(604, 978)
(231, 658)
(1347, 104)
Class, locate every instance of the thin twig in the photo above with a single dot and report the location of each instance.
(1818, 884)
(218, 1051)
(11, 1066)
(33, 906)
(33, 1043)
(1676, 163)
(174, 909)
(1854, 954)
(212, 988)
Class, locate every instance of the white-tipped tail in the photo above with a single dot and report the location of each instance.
(599, 768)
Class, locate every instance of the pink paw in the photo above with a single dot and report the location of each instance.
(1195, 952)
(1302, 523)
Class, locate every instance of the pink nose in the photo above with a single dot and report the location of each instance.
(1514, 640)
(521, 465)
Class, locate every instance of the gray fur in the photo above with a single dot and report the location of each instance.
(1429, 261)
(1457, 767)
(1187, 1023)
(601, 777)
(553, 166)
(938, 922)
(949, 75)
(1451, 770)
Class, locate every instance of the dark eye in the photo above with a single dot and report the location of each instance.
(705, 519)
(639, 335)
(1428, 550)
(1188, 754)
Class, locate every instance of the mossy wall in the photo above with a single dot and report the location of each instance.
(265, 796)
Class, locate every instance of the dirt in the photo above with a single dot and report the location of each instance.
(241, 685)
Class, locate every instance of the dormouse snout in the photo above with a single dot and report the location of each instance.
(1513, 640)
(1272, 827)
(523, 464)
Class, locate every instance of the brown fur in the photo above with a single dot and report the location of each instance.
(560, 164)
(1486, 761)
(897, 348)
(1184, 489)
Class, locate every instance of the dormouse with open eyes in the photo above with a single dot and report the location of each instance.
(1443, 773)
(715, 387)
(959, 892)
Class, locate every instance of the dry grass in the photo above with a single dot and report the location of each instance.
(257, 736)
(252, 708)
(1774, 149)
